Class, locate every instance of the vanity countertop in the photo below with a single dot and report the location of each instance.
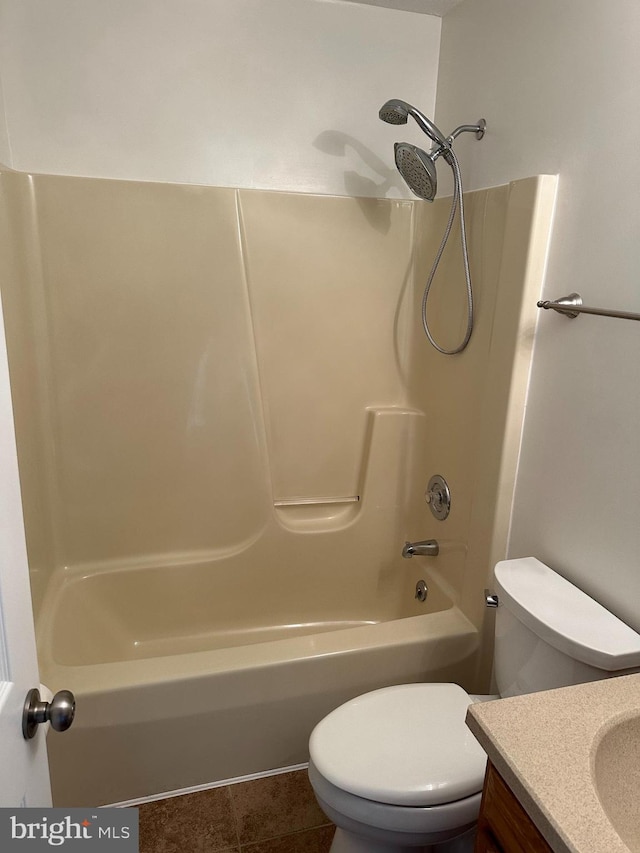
(543, 745)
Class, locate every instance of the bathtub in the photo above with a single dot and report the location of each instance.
(197, 687)
(171, 398)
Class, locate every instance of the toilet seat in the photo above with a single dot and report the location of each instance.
(406, 745)
(357, 814)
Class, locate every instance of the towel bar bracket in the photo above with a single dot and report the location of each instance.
(571, 306)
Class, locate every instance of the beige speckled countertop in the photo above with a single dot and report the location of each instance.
(543, 744)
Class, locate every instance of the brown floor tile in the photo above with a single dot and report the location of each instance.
(274, 806)
(310, 841)
(199, 823)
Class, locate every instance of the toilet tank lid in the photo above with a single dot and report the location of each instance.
(564, 616)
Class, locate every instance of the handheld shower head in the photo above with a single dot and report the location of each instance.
(394, 112)
(418, 170)
(398, 112)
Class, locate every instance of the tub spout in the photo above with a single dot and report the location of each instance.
(429, 548)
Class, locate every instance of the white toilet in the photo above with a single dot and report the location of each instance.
(398, 770)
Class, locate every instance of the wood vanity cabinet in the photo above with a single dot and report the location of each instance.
(503, 825)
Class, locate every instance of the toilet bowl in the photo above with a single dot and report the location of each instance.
(366, 826)
(382, 777)
(397, 770)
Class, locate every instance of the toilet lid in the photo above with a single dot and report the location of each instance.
(406, 745)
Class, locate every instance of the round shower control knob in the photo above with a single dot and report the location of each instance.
(438, 496)
(59, 712)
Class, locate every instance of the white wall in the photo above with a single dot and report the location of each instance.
(558, 85)
(273, 94)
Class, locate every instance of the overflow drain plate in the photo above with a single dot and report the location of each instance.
(421, 591)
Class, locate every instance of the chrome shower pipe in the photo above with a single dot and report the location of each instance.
(478, 129)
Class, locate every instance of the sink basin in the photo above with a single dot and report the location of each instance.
(616, 772)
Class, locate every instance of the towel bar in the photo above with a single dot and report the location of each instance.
(571, 306)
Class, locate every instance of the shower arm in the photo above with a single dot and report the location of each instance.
(440, 150)
(478, 129)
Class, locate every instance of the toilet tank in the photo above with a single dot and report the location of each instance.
(551, 634)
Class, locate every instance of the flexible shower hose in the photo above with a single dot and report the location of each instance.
(457, 203)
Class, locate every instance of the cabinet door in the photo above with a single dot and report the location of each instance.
(504, 826)
(485, 842)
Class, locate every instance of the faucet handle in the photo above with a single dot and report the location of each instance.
(438, 497)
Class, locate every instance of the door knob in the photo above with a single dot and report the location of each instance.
(59, 712)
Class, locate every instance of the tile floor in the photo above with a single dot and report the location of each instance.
(276, 814)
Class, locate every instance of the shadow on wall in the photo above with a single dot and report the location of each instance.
(335, 142)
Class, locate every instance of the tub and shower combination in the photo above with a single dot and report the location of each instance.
(226, 418)
(161, 708)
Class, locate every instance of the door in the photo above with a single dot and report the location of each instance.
(24, 771)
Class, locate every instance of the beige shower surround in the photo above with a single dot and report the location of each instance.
(227, 414)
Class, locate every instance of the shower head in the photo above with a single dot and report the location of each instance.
(394, 112)
(398, 112)
(418, 170)
(415, 165)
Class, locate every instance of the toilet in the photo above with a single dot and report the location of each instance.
(398, 771)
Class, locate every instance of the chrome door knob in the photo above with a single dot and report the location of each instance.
(59, 712)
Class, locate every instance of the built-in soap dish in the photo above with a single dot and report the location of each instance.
(325, 513)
